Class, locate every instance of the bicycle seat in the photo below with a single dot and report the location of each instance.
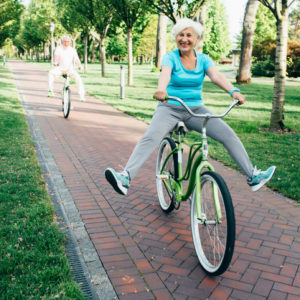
(180, 127)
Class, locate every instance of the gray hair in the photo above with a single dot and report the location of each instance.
(65, 37)
(186, 23)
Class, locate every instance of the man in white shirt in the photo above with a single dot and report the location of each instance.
(64, 59)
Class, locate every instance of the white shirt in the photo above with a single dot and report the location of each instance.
(66, 57)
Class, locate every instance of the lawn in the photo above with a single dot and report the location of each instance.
(249, 121)
(33, 263)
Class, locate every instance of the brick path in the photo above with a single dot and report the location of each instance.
(146, 254)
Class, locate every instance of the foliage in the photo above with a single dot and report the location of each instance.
(179, 8)
(265, 25)
(36, 23)
(216, 36)
(264, 54)
(148, 38)
(10, 13)
(294, 28)
(116, 46)
(264, 67)
(75, 15)
(129, 12)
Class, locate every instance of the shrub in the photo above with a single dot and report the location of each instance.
(263, 67)
(264, 58)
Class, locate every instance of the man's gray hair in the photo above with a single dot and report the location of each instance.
(65, 37)
(186, 23)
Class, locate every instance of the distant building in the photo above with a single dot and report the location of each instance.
(236, 57)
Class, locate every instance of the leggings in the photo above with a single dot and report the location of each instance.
(164, 120)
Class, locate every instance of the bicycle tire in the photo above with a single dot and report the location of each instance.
(213, 242)
(165, 198)
(66, 102)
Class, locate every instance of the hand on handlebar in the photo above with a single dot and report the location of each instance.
(161, 96)
(240, 97)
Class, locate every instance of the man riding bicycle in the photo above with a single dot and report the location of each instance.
(65, 57)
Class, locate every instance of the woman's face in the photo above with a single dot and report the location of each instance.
(186, 39)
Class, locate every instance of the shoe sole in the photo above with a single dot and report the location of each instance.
(113, 181)
(255, 188)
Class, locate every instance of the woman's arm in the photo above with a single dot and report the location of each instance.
(163, 81)
(221, 81)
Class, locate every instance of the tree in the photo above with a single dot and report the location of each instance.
(179, 8)
(76, 16)
(101, 25)
(161, 39)
(216, 38)
(280, 9)
(294, 18)
(36, 24)
(147, 39)
(265, 25)
(10, 13)
(244, 73)
(129, 12)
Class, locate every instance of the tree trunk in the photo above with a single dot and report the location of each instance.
(244, 73)
(129, 51)
(161, 39)
(102, 56)
(277, 117)
(201, 20)
(93, 58)
(85, 52)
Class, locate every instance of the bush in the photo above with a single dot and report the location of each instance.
(263, 67)
(264, 58)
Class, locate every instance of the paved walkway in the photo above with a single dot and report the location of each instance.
(146, 254)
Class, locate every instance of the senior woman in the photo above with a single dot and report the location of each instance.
(182, 74)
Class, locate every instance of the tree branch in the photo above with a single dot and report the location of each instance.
(289, 5)
(267, 4)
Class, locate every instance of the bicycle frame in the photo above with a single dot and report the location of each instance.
(193, 170)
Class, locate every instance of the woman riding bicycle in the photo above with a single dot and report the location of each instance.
(182, 75)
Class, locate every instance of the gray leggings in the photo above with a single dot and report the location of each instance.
(164, 120)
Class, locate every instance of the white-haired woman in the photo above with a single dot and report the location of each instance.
(182, 74)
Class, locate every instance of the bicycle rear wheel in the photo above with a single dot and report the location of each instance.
(166, 169)
(213, 240)
(66, 102)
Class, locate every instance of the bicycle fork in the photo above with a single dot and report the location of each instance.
(215, 193)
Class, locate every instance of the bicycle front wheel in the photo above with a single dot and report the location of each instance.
(66, 102)
(213, 237)
(166, 170)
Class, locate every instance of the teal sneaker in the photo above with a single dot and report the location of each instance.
(119, 181)
(50, 94)
(260, 178)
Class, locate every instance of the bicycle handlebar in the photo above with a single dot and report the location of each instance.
(234, 102)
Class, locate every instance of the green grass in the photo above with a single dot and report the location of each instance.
(249, 121)
(33, 263)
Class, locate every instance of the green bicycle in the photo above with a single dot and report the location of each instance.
(212, 212)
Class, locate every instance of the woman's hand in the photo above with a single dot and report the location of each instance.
(160, 96)
(240, 97)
